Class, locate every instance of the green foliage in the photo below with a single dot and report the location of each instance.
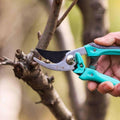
(75, 20)
(114, 17)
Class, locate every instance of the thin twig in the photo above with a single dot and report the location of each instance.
(39, 35)
(38, 102)
(66, 12)
(6, 61)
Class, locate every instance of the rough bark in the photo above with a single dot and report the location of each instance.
(49, 96)
(95, 25)
(42, 84)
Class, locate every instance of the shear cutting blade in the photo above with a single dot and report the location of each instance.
(53, 56)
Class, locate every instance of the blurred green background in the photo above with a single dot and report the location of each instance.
(75, 19)
(30, 110)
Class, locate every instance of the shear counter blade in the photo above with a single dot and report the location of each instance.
(61, 66)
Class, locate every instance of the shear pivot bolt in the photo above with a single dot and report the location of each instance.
(70, 60)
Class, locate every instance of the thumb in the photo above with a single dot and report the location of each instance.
(109, 39)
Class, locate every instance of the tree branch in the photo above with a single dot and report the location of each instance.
(66, 12)
(49, 96)
(30, 72)
(51, 25)
(33, 76)
(6, 61)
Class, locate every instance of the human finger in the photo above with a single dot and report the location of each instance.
(115, 65)
(109, 39)
(103, 63)
(116, 91)
(105, 87)
(92, 85)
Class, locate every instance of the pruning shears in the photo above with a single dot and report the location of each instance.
(72, 60)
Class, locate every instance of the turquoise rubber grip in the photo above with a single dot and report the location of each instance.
(93, 75)
(98, 50)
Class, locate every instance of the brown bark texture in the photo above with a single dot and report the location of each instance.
(95, 25)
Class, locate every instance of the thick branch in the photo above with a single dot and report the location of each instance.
(40, 82)
(48, 94)
(29, 71)
(51, 25)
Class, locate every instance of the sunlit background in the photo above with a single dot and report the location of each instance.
(21, 20)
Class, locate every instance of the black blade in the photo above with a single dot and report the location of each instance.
(53, 56)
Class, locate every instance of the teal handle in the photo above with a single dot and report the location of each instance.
(98, 50)
(93, 75)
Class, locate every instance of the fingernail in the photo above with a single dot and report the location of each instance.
(98, 39)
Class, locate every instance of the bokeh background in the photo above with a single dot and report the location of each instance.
(20, 21)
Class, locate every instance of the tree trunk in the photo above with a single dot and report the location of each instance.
(95, 25)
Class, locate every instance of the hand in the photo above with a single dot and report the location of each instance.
(109, 65)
